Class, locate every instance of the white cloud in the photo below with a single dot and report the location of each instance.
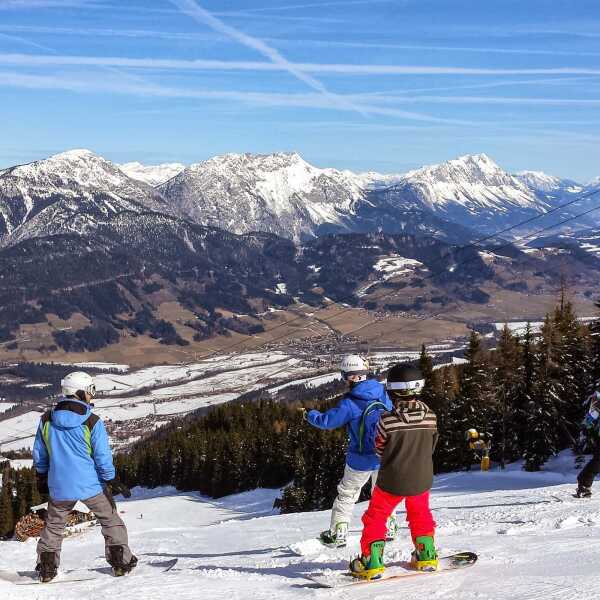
(316, 5)
(331, 43)
(109, 32)
(313, 100)
(199, 14)
(392, 99)
(277, 62)
(433, 48)
(26, 4)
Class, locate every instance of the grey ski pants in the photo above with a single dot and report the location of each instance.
(113, 528)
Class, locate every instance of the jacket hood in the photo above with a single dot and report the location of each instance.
(411, 411)
(67, 413)
(367, 391)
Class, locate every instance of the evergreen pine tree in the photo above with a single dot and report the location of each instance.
(543, 417)
(507, 384)
(7, 522)
(473, 404)
(571, 355)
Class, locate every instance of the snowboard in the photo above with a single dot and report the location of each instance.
(342, 578)
(78, 575)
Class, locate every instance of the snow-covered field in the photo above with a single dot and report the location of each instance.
(111, 384)
(394, 264)
(534, 540)
(19, 432)
(169, 390)
(519, 327)
(124, 409)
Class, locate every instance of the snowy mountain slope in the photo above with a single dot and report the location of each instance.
(472, 181)
(66, 193)
(539, 181)
(470, 190)
(594, 183)
(279, 193)
(152, 174)
(585, 241)
(534, 541)
(373, 180)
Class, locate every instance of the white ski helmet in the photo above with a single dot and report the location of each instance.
(78, 381)
(352, 364)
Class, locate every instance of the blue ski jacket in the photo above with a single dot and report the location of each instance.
(71, 446)
(359, 410)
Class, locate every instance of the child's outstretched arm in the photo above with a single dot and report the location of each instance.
(331, 419)
(381, 438)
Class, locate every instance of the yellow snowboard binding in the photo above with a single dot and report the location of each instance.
(369, 567)
(424, 557)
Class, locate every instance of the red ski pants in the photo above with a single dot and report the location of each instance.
(382, 505)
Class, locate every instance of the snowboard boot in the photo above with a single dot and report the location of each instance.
(583, 492)
(119, 566)
(335, 539)
(392, 529)
(424, 556)
(46, 567)
(369, 567)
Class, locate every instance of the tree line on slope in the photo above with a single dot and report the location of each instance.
(528, 393)
(17, 495)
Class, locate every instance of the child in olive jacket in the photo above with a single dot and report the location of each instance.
(405, 441)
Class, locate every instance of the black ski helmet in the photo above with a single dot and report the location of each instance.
(404, 379)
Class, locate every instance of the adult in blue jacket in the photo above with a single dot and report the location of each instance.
(73, 460)
(359, 410)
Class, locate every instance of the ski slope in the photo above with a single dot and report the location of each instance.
(534, 540)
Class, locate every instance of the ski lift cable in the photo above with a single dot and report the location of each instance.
(527, 221)
(435, 315)
(459, 248)
(470, 259)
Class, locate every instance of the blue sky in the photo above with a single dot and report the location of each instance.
(387, 85)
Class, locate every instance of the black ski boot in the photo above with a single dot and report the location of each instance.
(583, 492)
(119, 567)
(46, 567)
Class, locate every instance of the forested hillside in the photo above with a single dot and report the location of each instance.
(529, 393)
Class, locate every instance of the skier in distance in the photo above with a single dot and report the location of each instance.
(359, 410)
(73, 460)
(406, 439)
(590, 429)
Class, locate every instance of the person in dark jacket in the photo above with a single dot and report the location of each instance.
(359, 410)
(73, 460)
(406, 439)
(591, 434)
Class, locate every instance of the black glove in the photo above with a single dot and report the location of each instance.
(42, 483)
(115, 487)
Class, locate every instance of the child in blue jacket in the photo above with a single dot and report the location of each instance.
(359, 410)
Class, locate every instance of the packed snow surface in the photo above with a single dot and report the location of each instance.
(534, 541)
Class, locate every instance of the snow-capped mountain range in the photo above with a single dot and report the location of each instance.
(151, 174)
(277, 193)
(67, 193)
(280, 193)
